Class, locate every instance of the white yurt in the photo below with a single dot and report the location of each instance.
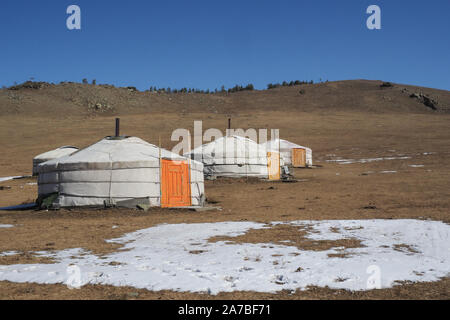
(236, 156)
(52, 154)
(122, 171)
(292, 154)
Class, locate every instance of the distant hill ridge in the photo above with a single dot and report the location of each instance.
(69, 98)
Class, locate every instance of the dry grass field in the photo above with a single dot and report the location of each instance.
(338, 120)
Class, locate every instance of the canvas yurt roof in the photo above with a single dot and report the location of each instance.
(285, 148)
(232, 156)
(113, 169)
(52, 154)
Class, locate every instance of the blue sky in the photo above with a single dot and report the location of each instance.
(206, 44)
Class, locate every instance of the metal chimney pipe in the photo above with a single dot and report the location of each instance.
(117, 127)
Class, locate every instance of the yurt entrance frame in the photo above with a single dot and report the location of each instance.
(298, 158)
(175, 184)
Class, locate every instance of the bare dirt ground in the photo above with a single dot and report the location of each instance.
(415, 184)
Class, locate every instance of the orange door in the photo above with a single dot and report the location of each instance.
(175, 187)
(273, 165)
(299, 158)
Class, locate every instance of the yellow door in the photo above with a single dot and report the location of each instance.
(299, 158)
(273, 165)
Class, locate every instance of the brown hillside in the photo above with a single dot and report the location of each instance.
(74, 99)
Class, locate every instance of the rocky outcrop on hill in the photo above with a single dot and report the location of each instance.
(30, 85)
(425, 99)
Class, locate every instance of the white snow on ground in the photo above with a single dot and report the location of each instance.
(6, 226)
(339, 160)
(8, 253)
(159, 258)
(8, 178)
(350, 161)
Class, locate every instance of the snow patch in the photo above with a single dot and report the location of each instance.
(9, 178)
(159, 258)
(8, 253)
(368, 160)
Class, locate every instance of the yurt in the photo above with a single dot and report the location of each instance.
(52, 154)
(121, 171)
(292, 154)
(236, 156)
